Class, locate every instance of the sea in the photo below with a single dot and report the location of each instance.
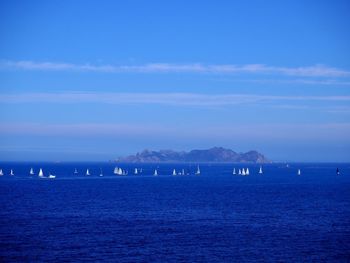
(276, 216)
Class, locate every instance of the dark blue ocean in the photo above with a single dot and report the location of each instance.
(214, 217)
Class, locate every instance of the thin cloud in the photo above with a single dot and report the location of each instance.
(84, 129)
(310, 71)
(170, 99)
(326, 131)
(323, 82)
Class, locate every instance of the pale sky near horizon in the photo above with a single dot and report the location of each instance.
(94, 80)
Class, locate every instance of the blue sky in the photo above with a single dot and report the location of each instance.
(94, 80)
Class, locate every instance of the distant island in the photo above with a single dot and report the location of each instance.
(212, 155)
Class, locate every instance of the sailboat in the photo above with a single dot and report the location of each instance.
(75, 171)
(11, 173)
(183, 172)
(338, 172)
(31, 172)
(101, 174)
(247, 171)
(299, 172)
(1, 172)
(87, 172)
(198, 172)
(260, 170)
(51, 176)
(239, 171)
(41, 173)
(174, 172)
(136, 172)
(243, 172)
(234, 171)
(155, 172)
(116, 170)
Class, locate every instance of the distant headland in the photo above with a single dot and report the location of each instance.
(212, 155)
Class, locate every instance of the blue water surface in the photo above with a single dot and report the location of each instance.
(214, 217)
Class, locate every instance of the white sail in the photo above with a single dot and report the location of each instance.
(239, 171)
(247, 171)
(155, 172)
(299, 172)
(174, 172)
(136, 172)
(198, 172)
(87, 172)
(11, 172)
(41, 173)
(31, 172)
(234, 171)
(101, 174)
(75, 171)
(243, 172)
(1, 172)
(183, 172)
(260, 170)
(116, 170)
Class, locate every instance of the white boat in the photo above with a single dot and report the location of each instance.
(75, 171)
(1, 172)
(260, 170)
(299, 172)
(247, 171)
(183, 172)
(87, 172)
(174, 172)
(136, 171)
(338, 172)
(116, 170)
(239, 171)
(31, 172)
(101, 174)
(124, 172)
(198, 172)
(243, 172)
(11, 172)
(41, 173)
(155, 172)
(51, 176)
(234, 171)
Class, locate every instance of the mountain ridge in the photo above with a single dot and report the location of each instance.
(212, 155)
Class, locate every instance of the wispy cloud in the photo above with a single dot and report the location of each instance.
(307, 81)
(267, 131)
(171, 99)
(308, 71)
(82, 129)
